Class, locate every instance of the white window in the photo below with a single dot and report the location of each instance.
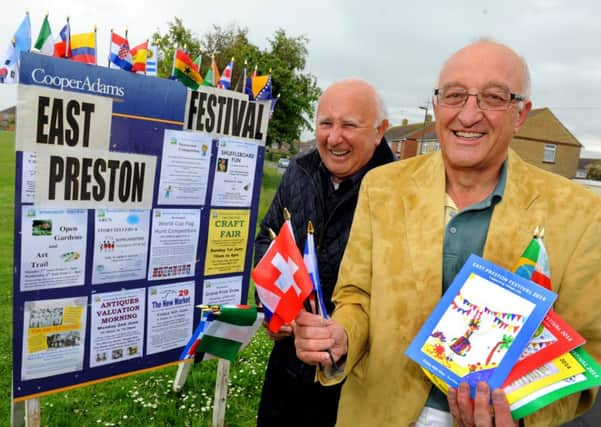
(549, 154)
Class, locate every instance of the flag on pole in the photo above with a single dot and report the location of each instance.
(272, 108)
(139, 56)
(8, 67)
(45, 42)
(281, 280)
(261, 87)
(534, 262)
(310, 258)
(62, 48)
(226, 77)
(83, 47)
(23, 36)
(152, 60)
(198, 62)
(184, 70)
(212, 75)
(120, 54)
(223, 332)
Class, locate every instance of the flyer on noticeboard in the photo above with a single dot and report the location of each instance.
(133, 205)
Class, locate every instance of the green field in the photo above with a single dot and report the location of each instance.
(138, 399)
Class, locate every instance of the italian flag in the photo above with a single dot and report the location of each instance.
(45, 42)
(534, 263)
(224, 332)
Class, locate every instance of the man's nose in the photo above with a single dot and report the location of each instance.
(470, 112)
(335, 134)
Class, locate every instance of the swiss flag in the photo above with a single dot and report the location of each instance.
(282, 280)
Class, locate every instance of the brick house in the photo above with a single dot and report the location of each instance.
(543, 141)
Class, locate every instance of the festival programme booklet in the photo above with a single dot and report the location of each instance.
(558, 369)
(480, 327)
(591, 377)
(552, 339)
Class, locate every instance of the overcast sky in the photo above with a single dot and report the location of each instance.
(398, 46)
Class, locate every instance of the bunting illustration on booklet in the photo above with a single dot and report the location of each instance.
(480, 327)
(553, 364)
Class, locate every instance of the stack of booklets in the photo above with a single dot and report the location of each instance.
(493, 325)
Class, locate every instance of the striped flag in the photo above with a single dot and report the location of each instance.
(226, 76)
(45, 42)
(139, 56)
(120, 54)
(185, 71)
(62, 48)
(223, 332)
(534, 262)
(310, 259)
(152, 60)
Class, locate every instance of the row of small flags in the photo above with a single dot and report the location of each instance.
(77, 47)
(285, 281)
(187, 71)
(141, 58)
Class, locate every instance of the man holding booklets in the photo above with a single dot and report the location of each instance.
(320, 186)
(416, 223)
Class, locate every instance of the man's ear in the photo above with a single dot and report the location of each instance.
(522, 116)
(381, 129)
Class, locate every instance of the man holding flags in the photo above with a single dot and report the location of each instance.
(322, 187)
(416, 223)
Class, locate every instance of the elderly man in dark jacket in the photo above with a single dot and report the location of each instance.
(321, 187)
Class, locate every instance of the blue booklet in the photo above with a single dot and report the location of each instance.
(481, 325)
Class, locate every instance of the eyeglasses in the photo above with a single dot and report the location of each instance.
(494, 98)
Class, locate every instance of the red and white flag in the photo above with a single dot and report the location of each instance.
(281, 280)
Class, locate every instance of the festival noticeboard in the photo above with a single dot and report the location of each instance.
(135, 200)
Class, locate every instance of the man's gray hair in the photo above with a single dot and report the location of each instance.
(381, 111)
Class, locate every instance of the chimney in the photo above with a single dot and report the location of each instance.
(405, 121)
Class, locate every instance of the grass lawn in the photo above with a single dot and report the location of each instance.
(139, 399)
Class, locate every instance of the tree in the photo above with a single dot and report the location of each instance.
(594, 171)
(285, 58)
(177, 37)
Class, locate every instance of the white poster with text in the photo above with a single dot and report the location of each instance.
(53, 248)
(170, 316)
(120, 245)
(117, 331)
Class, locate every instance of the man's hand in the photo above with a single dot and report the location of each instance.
(314, 336)
(285, 331)
(480, 413)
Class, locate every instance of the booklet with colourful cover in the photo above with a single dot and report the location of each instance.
(558, 369)
(591, 377)
(552, 339)
(481, 325)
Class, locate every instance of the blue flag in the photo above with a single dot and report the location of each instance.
(23, 36)
(310, 259)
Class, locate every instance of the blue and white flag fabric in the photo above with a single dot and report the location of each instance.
(310, 259)
(23, 36)
(152, 59)
(8, 66)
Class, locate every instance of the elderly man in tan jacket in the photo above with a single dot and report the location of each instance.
(417, 221)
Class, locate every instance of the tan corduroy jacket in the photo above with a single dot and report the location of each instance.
(391, 274)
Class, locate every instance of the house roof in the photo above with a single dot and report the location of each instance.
(543, 126)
